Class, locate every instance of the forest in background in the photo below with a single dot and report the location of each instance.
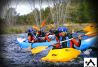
(75, 11)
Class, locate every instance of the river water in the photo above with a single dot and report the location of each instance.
(11, 55)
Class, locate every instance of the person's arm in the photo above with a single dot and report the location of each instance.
(46, 37)
(74, 41)
(57, 45)
(58, 41)
(32, 41)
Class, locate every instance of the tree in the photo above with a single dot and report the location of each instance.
(11, 16)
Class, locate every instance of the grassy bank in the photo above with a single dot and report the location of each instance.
(14, 29)
(22, 28)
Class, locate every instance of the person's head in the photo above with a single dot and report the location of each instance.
(30, 30)
(62, 33)
(29, 36)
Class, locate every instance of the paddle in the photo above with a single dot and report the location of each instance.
(41, 48)
(43, 23)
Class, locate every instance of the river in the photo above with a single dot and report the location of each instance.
(13, 56)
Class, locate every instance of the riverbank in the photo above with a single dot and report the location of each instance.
(22, 28)
(14, 29)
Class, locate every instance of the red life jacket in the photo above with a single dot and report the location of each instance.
(32, 38)
(74, 42)
(58, 44)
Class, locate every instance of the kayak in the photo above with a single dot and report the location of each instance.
(85, 44)
(61, 55)
(23, 43)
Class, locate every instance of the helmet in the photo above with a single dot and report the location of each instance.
(62, 29)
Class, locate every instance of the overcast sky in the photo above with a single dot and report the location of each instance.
(26, 6)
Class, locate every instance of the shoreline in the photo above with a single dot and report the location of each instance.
(17, 29)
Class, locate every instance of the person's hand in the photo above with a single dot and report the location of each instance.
(43, 38)
(80, 37)
(53, 44)
(32, 40)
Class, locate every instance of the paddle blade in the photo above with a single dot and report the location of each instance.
(43, 23)
(90, 28)
(38, 49)
(36, 28)
(92, 33)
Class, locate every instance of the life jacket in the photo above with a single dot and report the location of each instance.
(41, 34)
(32, 38)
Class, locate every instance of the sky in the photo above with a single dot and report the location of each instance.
(25, 7)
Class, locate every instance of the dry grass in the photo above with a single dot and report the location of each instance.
(15, 29)
(22, 28)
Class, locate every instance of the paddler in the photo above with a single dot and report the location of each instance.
(61, 36)
(31, 30)
(31, 38)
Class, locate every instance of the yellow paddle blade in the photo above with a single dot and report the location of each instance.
(36, 28)
(89, 28)
(50, 26)
(92, 33)
(38, 49)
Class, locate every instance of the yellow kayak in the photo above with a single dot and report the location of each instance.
(61, 55)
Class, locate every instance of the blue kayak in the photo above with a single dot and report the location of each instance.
(85, 43)
(26, 44)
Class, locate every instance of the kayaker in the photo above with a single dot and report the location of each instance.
(61, 36)
(57, 35)
(40, 34)
(30, 38)
(44, 38)
(74, 41)
(31, 30)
